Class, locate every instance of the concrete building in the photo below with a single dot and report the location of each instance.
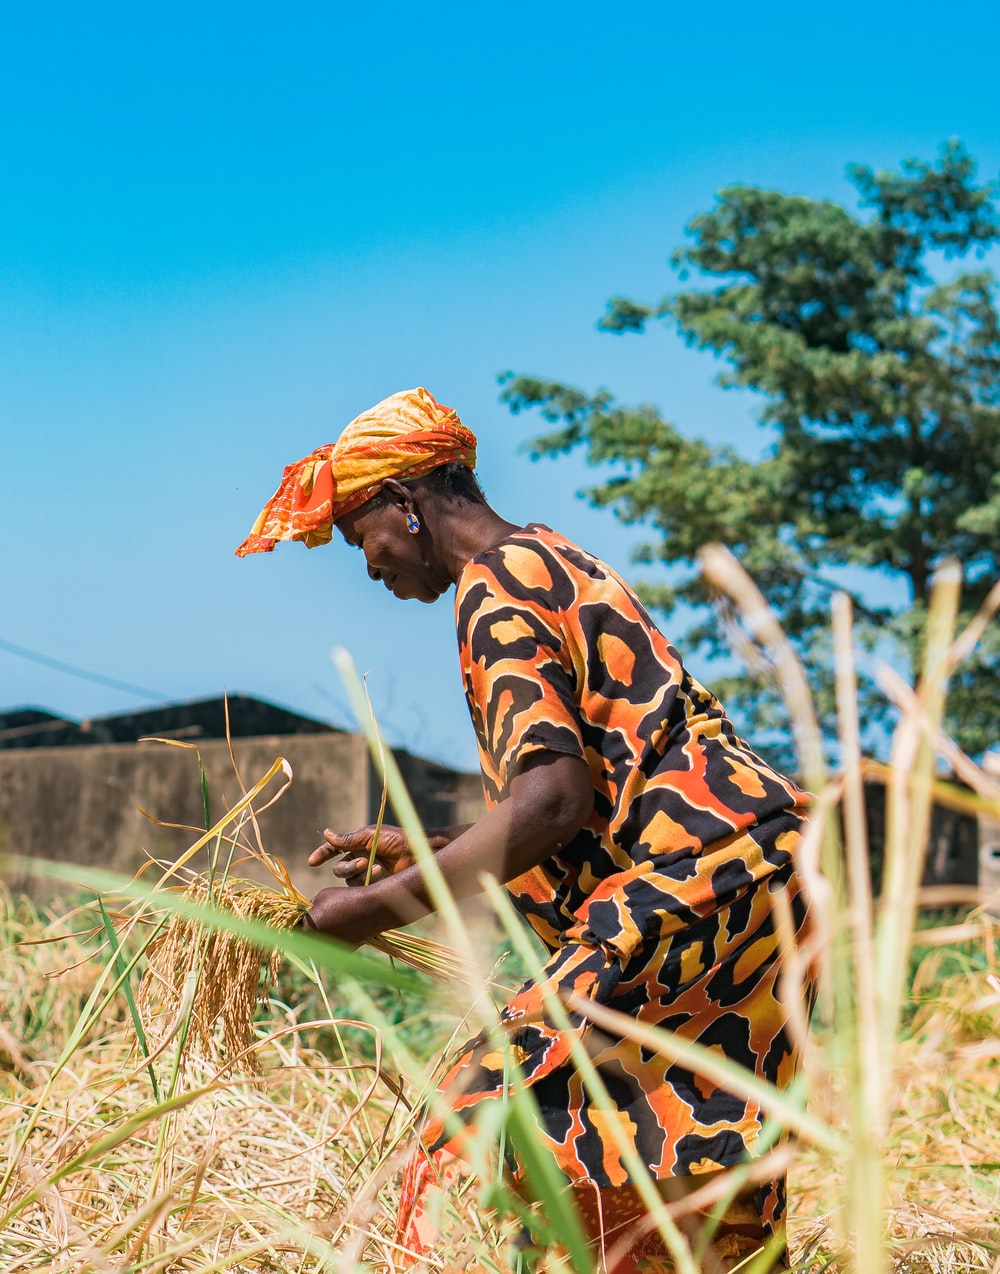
(989, 842)
(74, 791)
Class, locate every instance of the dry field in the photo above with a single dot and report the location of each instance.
(142, 1136)
(297, 1169)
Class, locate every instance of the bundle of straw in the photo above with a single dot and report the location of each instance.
(222, 974)
(227, 974)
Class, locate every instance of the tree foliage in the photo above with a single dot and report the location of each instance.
(876, 351)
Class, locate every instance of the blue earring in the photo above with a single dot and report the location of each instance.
(412, 523)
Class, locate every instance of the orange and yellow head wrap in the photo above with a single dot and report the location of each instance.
(404, 436)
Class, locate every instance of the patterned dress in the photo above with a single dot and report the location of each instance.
(661, 906)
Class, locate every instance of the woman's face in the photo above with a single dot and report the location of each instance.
(404, 563)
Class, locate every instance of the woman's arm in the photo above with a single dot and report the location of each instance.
(551, 797)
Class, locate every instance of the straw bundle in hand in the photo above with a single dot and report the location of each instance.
(222, 975)
(229, 973)
(226, 975)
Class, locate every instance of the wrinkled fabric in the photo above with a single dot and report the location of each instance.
(661, 907)
(615, 1222)
(404, 437)
(714, 980)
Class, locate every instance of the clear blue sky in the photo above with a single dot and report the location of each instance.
(226, 229)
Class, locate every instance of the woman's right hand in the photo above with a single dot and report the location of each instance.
(392, 855)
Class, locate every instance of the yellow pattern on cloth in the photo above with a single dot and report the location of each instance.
(404, 436)
(662, 907)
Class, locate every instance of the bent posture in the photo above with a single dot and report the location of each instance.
(641, 839)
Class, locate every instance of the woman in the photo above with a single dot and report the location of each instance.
(639, 836)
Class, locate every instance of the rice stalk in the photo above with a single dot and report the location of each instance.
(232, 973)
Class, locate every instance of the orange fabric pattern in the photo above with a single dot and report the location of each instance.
(404, 437)
(615, 1222)
(661, 906)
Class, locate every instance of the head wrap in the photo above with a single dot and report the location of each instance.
(404, 436)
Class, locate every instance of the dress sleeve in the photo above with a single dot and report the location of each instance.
(520, 680)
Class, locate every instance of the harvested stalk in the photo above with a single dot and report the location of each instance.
(232, 973)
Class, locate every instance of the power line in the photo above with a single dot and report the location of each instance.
(71, 670)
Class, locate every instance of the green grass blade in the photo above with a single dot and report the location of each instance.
(126, 983)
(206, 800)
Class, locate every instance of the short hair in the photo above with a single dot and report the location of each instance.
(453, 479)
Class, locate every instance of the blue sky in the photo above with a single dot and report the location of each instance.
(226, 229)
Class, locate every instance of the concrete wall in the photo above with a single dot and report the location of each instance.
(80, 804)
(952, 844)
(443, 797)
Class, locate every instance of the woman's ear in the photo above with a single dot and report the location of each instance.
(397, 495)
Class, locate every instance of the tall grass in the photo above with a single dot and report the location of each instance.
(143, 1153)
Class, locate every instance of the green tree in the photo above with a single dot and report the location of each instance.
(878, 362)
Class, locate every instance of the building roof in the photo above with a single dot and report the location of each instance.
(34, 728)
(197, 719)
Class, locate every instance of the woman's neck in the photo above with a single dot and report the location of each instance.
(468, 530)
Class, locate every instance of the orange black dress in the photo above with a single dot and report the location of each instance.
(661, 906)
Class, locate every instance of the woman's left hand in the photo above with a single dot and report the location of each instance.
(551, 797)
(339, 913)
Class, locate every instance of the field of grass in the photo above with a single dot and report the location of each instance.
(132, 1146)
(297, 1170)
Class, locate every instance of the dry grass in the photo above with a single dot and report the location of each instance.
(266, 1175)
(291, 1172)
(942, 1158)
(260, 1153)
(238, 972)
